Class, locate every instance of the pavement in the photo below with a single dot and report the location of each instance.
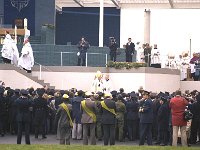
(51, 139)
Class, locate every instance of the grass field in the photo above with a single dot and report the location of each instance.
(80, 147)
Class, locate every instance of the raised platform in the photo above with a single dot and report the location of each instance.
(152, 79)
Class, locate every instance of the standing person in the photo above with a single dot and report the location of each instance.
(7, 48)
(132, 117)
(195, 126)
(26, 61)
(88, 119)
(130, 48)
(64, 121)
(108, 110)
(23, 105)
(107, 84)
(178, 105)
(146, 119)
(163, 121)
(83, 46)
(147, 54)
(76, 111)
(120, 111)
(155, 57)
(40, 113)
(97, 85)
(113, 49)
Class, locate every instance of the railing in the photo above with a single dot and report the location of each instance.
(40, 70)
(69, 58)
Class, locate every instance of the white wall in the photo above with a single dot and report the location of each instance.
(190, 85)
(128, 81)
(171, 29)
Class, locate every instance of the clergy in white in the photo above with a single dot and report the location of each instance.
(26, 60)
(7, 51)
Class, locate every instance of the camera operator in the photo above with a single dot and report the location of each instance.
(113, 49)
(83, 46)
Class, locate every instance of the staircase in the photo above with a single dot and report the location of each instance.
(24, 73)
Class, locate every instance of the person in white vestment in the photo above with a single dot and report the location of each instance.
(7, 51)
(26, 60)
(185, 65)
(97, 85)
(155, 57)
(15, 56)
(107, 86)
(140, 53)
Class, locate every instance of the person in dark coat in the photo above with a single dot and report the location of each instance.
(108, 110)
(2, 112)
(83, 46)
(146, 119)
(13, 111)
(23, 105)
(130, 48)
(132, 117)
(76, 111)
(40, 109)
(113, 49)
(195, 126)
(163, 121)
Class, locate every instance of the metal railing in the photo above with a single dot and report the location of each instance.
(69, 58)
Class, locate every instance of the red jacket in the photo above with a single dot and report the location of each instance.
(178, 105)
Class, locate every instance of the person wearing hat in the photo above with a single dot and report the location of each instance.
(76, 111)
(132, 118)
(26, 60)
(64, 121)
(163, 121)
(146, 119)
(13, 111)
(23, 105)
(40, 109)
(108, 110)
(88, 119)
(120, 111)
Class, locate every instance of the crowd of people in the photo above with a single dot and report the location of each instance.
(10, 53)
(100, 115)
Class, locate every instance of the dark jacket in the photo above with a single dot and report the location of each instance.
(23, 105)
(163, 116)
(108, 117)
(130, 48)
(132, 110)
(76, 111)
(147, 115)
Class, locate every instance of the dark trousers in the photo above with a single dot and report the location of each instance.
(128, 57)
(145, 132)
(37, 129)
(19, 133)
(132, 129)
(113, 56)
(195, 128)
(163, 137)
(109, 134)
(89, 129)
(83, 61)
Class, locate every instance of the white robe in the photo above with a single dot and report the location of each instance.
(140, 54)
(155, 56)
(97, 86)
(26, 60)
(7, 51)
(15, 56)
(107, 86)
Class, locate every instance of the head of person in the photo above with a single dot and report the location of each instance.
(155, 46)
(88, 94)
(7, 32)
(163, 100)
(65, 97)
(129, 39)
(106, 77)
(24, 92)
(178, 93)
(107, 95)
(26, 41)
(145, 94)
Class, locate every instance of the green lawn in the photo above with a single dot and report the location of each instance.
(73, 147)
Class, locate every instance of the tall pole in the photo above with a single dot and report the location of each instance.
(147, 21)
(190, 48)
(101, 23)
